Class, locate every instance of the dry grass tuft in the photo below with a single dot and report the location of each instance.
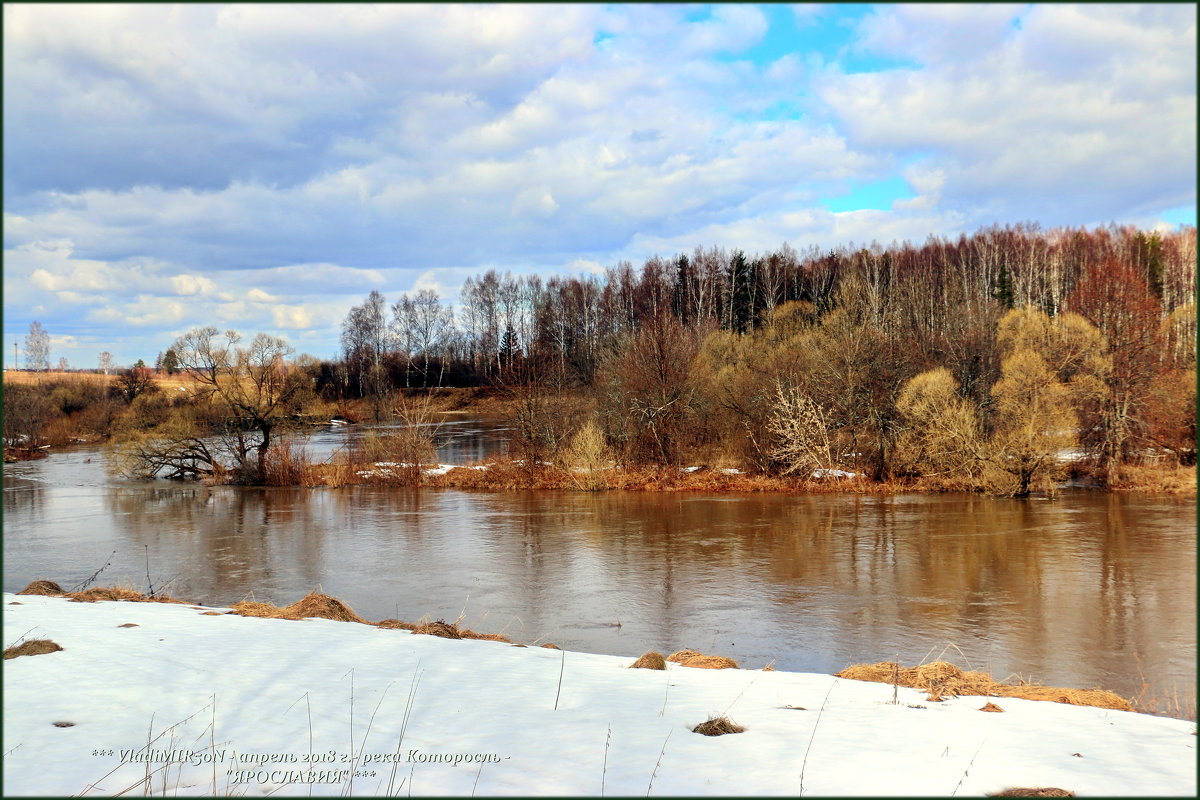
(312, 604)
(323, 606)
(467, 633)
(102, 593)
(439, 628)
(943, 678)
(550, 646)
(129, 625)
(33, 647)
(694, 658)
(44, 588)
(394, 624)
(992, 707)
(105, 593)
(250, 608)
(211, 614)
(651, 660)
(718, 726)
(1049, 791)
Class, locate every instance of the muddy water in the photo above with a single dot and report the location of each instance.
(1090, 590)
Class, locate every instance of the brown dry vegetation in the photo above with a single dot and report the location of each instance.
(42, 587)
(323, 606)
(395, 624)
(118, 593)
(439, 628)
(718, 726)
(504, 475)
(1049, 791)
(694, 658)
(33, 647)
(651, 660)
(941, 678)
(1157, 479)
(127, 593)
(313, 604)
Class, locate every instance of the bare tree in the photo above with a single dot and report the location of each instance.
(804, 439)
(245, 392)
(366, 339)
(37, 348)
(423, 327)
(106, 362)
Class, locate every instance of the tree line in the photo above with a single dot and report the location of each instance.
(987, 362)
(1084, 339)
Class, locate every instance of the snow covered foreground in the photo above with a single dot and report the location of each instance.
(322, 699)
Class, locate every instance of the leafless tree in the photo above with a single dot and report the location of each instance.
(37, 348)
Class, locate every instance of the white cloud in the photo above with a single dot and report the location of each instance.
(731, 28)
(268, 166)
(291, 317)
(259, 296)
(1018, 133)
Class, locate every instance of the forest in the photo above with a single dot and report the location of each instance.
(998, 361)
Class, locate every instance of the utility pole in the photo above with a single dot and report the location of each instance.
(14, 356)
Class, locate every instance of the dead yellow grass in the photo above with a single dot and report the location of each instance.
(694, 658)
(251, 608)
(1049, 791)
(941, 678)
(33, 647)
(395, 624)
(718, 726)
(1154, 479)
(502, 475)
(651, 660)
(21, 377)
(313, 604)
(44, 588)
(101, 593)
(323, 606)
(439, 628)
(467, 633)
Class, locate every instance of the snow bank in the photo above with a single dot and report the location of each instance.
(242, 705)
(833, 473)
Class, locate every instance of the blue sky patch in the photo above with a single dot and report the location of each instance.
(878, 195)
(1182, 215)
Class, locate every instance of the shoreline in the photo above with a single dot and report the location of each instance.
(184, 699)
(945, 679)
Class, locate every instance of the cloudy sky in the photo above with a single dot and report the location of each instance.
(264, 167)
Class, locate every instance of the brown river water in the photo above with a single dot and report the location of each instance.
(1087, 590)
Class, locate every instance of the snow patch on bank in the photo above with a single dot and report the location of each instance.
(489, 718)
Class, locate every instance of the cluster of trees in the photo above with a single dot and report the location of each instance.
(786, 361)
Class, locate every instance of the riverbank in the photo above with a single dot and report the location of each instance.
(501, 474)
(197, 701)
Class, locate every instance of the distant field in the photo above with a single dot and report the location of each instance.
(23, 377)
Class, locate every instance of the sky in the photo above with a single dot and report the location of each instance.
(265, 167)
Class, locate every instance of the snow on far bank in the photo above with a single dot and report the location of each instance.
(479, 717)
(833, 473)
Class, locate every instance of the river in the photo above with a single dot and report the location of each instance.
(1088, 590)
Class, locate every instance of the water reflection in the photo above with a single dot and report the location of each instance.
(1082, 591)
